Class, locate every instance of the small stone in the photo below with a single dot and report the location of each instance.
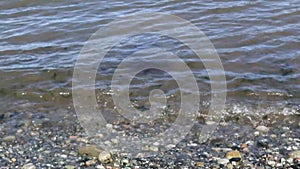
(115, 141)
(294, 154)
(29, 166)
(125, 162)
(210, 123)
(63, 156)
(263, 143)
(234, 156)
(83, 140)
(223, 161)
(9, 139)
(256, 133)
(153, 148)
(109, 126)
(100, 167)
(244, 145)
(90, 162)
(13, 160)
(229, 166)
(200, 164)
(272, 163)
(70, 167)
(91, 150)
(262, 129)
(105, 157)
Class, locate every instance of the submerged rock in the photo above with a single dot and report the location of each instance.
(90, 150)
(9, 139)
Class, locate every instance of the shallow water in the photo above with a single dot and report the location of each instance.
(257, 41)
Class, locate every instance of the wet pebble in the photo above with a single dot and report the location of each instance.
(262, 129)
(90, 150)
(294, 154)
(234, 156)
(105, 157)
(9, 138)
(29, 166)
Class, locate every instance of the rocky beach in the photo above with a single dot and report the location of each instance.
(48, 119)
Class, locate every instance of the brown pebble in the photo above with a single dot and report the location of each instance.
(200, 164)
(234, 156)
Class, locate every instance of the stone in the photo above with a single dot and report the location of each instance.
(29, 166)
(263, 143)
(70, 167)
(153, 148)
(125, 162)
(234, 156)
(200, 164)
(100, 167)
(90, 150)
(223, 161)
(9, 139)
(262, 129)
(13, 160)
(229, 166)
(105, 157)
(272, 163)
(294, 154)
(90, 162)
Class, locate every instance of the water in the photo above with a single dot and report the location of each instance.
(258, 43)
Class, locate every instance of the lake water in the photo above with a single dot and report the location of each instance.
(258, 43)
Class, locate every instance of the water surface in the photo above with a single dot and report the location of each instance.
(258, 43)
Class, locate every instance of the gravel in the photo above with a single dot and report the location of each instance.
(233, 145)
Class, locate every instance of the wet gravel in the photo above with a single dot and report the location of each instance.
(39, 142)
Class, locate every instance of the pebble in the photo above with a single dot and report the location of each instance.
(272, 163)
(29, 166)
(105, 157)
(294, 154)
(90, 162)
(125, 162)
(223, 161)
(256, 133)
(9, 138)
(13, 160)
(263, 143)
(199, 164)
(70, 167)
(153, 148)
(100, 167)
(234, 156)
(262, 129)
(90, 150)
(229, 166)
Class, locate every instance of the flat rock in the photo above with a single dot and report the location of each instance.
(90, 150)
(9, 139)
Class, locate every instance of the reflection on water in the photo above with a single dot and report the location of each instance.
(258, 42)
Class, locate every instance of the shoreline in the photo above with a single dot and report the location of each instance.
(268, 141)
